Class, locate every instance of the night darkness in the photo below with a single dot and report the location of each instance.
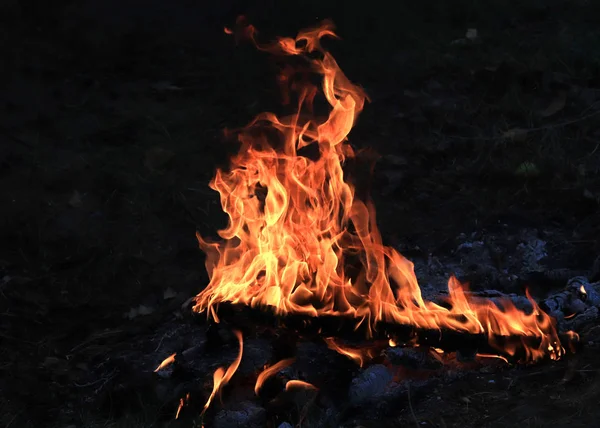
(479, 147)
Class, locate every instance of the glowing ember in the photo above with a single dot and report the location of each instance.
(222, 377)
(294, 224)
(270, 371)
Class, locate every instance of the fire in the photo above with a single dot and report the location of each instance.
(299, 384)
(359, 355)
(166, 362)
(295, 224)
(182, 403)
(221, 377)
(492, 356)
(270, 371)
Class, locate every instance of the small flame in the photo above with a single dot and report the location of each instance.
(299, 384)
(359, 355)
(500, 357)
(294, 224)
(270, 371)
(182, 402)
(222, 377)
(166, 362)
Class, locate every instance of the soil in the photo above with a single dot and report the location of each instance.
(111, 125)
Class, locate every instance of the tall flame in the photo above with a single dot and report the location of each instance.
(294, 224)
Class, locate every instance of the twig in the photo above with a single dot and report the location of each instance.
(94, 338)
(10, 136)
(412, 411)
(12, 420)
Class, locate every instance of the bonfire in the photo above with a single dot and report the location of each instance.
(301, 243)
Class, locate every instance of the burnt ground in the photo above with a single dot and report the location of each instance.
(110, 129)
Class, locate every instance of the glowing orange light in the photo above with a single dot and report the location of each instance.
(166, 362)
(270, 371)
(294, 224)
(299, 384)
(221, 376)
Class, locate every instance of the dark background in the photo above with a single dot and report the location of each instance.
(110, 128)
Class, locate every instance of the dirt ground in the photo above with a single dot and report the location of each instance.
(111, 127)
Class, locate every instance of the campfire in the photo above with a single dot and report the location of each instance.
(303, 250)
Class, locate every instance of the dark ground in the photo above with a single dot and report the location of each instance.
(110, 129)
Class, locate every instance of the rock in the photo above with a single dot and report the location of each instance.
(248, 414)
(370, 385)
(412, 358)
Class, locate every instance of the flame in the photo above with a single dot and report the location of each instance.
(295, 224)
(270, 371)
(492, 356)
(222, 377)
(166, 362)
(299, 384)
(359, 355)
(182, 402)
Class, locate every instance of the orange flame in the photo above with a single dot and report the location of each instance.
(359, 355)
(492, 356)
(182, 402)
(294, 223)
(166, 362)
(299, 384)
(222, 377)
(270, 371)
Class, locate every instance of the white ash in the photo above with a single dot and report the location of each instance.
(532, 252)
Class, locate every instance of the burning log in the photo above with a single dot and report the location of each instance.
(576, 305)
(573, 308)
(512, 348)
